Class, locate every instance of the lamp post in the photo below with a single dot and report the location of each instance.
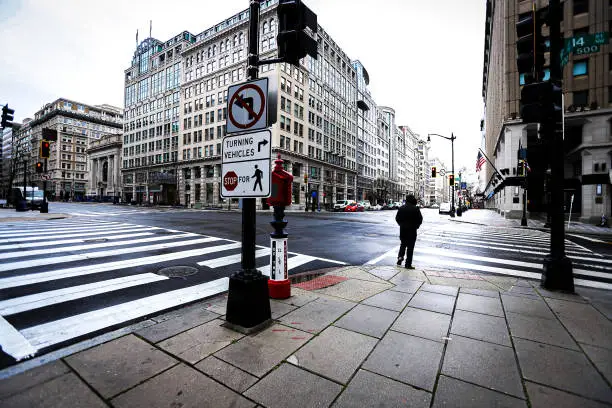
(452, 139)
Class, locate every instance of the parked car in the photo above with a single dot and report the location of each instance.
(445, 208)
(435, 205)
(366, 205)
(341, 204)
(354, 207)
(377, 207)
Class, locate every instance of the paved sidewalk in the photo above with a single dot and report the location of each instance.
(10, 215)
(354, 337)
(492, 218)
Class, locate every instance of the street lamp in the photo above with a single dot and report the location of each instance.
(452, 139)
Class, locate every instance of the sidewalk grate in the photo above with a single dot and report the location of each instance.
(320, 282)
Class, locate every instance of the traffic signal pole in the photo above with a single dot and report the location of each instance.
(248, 303)
(557, 269)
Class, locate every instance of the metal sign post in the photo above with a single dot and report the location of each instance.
(248, 304)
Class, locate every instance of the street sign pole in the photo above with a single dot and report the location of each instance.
(557, 268)
(248, 304)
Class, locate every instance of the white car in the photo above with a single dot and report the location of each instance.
(445, 208)
(366, 205)
(340, 205)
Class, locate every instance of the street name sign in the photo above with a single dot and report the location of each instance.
(245, 165)
(247, 107)
(582, 45)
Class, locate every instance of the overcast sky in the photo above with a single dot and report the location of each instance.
(424, 57)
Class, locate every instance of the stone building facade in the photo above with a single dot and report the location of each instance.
(104, 156)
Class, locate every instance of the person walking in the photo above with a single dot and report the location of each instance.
(409, 219)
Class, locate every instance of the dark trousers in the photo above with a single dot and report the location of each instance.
(407, 247)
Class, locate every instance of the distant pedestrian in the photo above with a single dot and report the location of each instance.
(409, 219)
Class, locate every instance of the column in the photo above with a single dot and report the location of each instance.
(111, 174)
(92, 175)
(216, 184)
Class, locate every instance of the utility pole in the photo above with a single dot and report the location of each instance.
(557, 272)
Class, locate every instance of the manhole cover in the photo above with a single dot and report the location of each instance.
(164, 232)
(96, 240)
(178, 271)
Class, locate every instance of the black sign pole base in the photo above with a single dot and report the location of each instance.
(248, 304)
(557, 274)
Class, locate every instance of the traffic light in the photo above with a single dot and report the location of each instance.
(530, 46)
(521, 168)
(433, 171)
(451, 179)
(541, 102)
(294, 42)
(45, 149)
(39, 167)
(7, 117)
(49, 134)
(305, 178)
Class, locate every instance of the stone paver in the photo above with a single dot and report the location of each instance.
(480, 304)
(384, 272)
(280, 309)
(433, 301)
(66, 390)
(291, 387)
(217, 305)
(423, 323)
(120, 364)
(584, 322)
(317, 315)
(480, 292)
(39, 375)
(404, 282)
(260, 353)
(602, 358)
(458, 394)
(561, 368)
(542, 330)
(481, 327)
(200, 342)
(299, 297)
(358, 273)
(442, 289)
(368, 389)
(355, 290)
(172, 326)
(369, 320)
(486, 364)
(335, 353)
(227, 374)
(181, 386)
(389, 299)
(545, 397)
(527, 306)
(409, 359)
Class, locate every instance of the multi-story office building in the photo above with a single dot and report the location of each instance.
(438, 186)
(587, 85)
(6, 159)
(423, 172)
(412, 142)
(367, 136)
(77, 124)
(331, 135)
(151, 116)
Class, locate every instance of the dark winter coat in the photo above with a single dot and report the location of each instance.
(409, 219)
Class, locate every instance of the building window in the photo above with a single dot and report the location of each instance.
(581, 98)
(580, 68)
(581, 6)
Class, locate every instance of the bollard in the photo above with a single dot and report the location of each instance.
(279, 286)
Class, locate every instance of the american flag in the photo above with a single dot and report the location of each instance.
(480, 160)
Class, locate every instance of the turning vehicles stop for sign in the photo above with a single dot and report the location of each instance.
(245, 166)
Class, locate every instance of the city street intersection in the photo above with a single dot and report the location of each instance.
(103, 266)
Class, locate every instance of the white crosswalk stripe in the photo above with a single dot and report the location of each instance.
(63, 279)
(511, 252)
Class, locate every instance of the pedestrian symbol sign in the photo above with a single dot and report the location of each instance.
(245, 165)
(247, 106)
